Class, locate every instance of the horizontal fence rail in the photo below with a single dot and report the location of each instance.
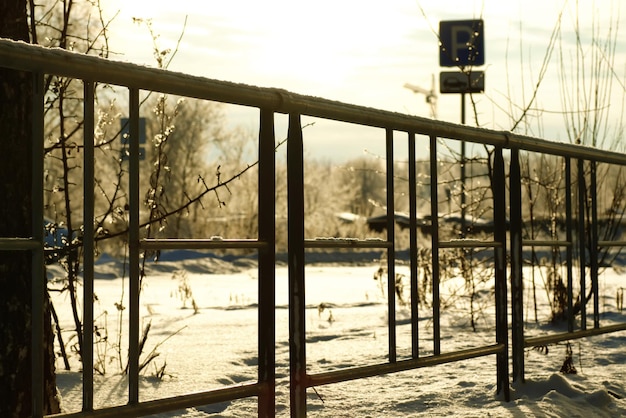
(20, 56)
(507, 245)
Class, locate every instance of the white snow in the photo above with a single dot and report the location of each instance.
(346, 327)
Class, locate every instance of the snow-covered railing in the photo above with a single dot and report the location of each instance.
(40, 61)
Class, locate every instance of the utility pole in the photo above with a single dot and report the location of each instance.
(431, 96)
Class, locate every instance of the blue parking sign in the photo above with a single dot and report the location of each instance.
(461, 43)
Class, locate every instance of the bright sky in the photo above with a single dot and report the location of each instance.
(364, 51)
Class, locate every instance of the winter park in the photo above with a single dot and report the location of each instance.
(231, 210)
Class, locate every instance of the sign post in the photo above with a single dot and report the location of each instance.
(462, 45)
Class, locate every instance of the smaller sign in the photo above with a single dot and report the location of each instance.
(459, 82)
(125, 131)
(125, 135)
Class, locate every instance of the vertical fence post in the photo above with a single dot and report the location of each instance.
(569, 236)
(582, 258)
(266, 268)
(37, 261)
(499, 215)
(133, 248)
(517, 303)
(413, 258)
(297, 307)
(88, 245)
(434, 233)
(593, 245)
(391, 254)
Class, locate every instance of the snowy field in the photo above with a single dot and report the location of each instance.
(214, 345)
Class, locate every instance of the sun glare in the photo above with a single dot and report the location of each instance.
(319, 45)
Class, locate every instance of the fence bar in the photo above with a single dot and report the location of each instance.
(434, 233)
(499, 216)
(545, 243)
(171, 404)
(88, 245)
(37, 262)
(569, 236)
(565, 336)
(469, 243)
(593, 250)
(199, 244)
(517, 290)
(346, 243)
(582, 259)
(413, 248)
(17, 244)
(266, 267)
(344, 375)
(391, 254)
(611, 244)
(295, 237)
(133, 249)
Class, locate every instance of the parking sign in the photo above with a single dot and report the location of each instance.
(461, 43)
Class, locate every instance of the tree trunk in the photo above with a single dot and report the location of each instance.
(15, 221)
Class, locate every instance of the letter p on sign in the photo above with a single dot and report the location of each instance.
(461, 43)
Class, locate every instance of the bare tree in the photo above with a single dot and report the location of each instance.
(589, 84)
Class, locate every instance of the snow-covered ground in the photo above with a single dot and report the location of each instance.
(214, 345)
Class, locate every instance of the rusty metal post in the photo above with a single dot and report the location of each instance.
(593, 245)
(266, 268)
(569, 236)
(37, 262)
(88, 245)
(434, 233)
(391, 255)
(499, 217)
(413, 249)
(582, 257)
(517, 290)
(133, 249)
(297, 301)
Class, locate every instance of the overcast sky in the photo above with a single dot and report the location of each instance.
(363, 52)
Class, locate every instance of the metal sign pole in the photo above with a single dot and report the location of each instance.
(463, 223)
(462, 45)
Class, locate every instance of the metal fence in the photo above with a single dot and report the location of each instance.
(507, 246)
